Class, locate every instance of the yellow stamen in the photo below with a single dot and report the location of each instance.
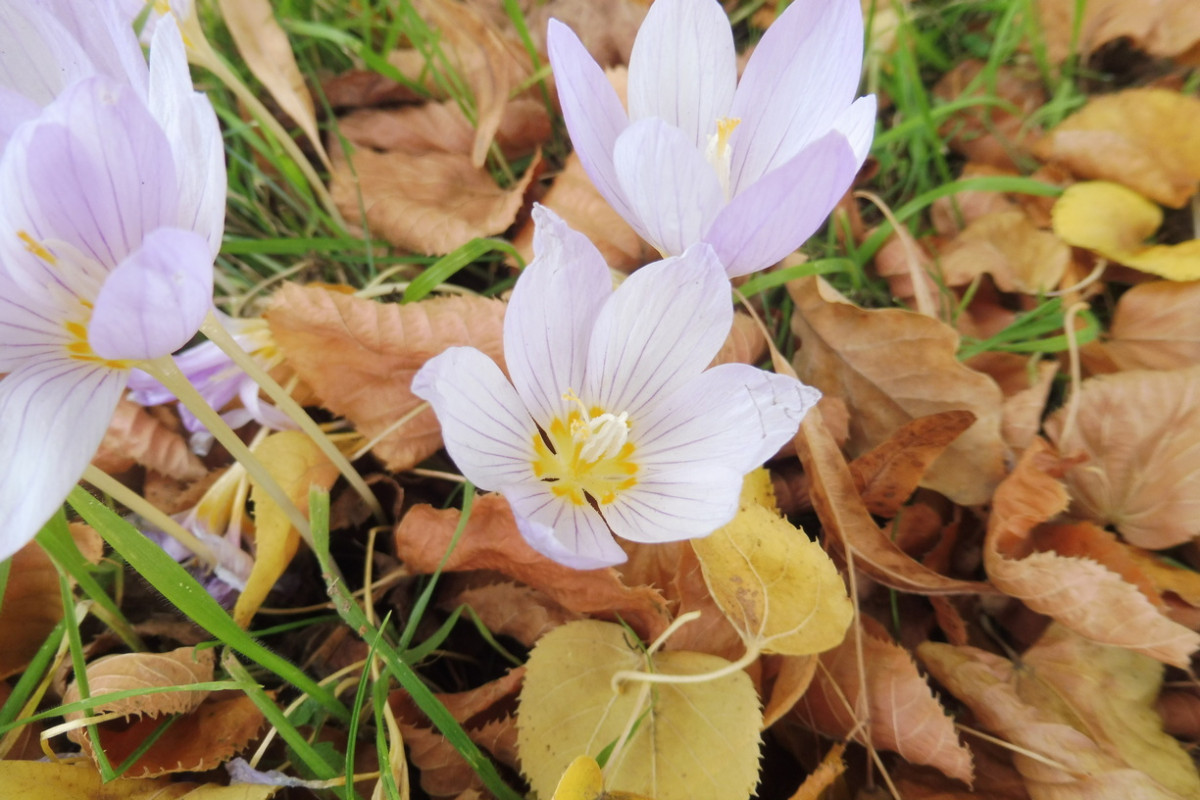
(719, 153)
(80, 350)
(586, 457)
(36, 247)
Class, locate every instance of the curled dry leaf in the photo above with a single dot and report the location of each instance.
(510, 609)
(128, 671)
(1143, 138)
(1180, 712)
(1007, 245)
(1156, 326)
(135, 436)
(1140, 431)
(785, 679)
(1078, 592)
(1025, 382)
(32, 606)
(892, 366)
(1084, 711)
(1163, 28)
(491, 541)
(699, 741)
(359, 357)
(901, 713)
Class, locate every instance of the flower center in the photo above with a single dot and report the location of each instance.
(586, 456)
(718, 152)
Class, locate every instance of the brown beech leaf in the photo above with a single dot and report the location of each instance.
(785, 680)
(892, 366)
(1082, 711)
(1163, 28)
(995, 778)
(218, 729)
(1018, 255)
(1087, 540)
(745, 343)
(486, 714)
(888, 474)
(1141, 433)
(126, 671)
(510, 609)
(1080, 593)
(491, 541)
(1025, 392)
(607, 28)
(901, 712)
(359, 357)
(426, 203)
(847, 522)
(136, 436)
(1180, 712)
(1156, 326)
(1145, 139)
(31, 608)
(986, 133)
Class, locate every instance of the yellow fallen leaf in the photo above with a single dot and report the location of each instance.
(692, 741)
(83, 782)
(1115, 222)
(296, 462)
(777, 586)
(582, 780)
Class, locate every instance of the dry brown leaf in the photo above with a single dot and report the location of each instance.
(1146, 139)
(1086, 540)
(953, 213)
(745, 344)
(1083, 712)
(428, 203)
(1018, 255)
(1080, 593)
(359, 357)
(892, 366)
(129, 671)
(1141, 433)
(510, 609)
(265, 48)
(1156, 326)
(904, 715)
(888, 474)
(995, 778)
(1025, 392)
(988, 134)
(136, 436)
(607, 28)
(31, 608)
(1180, 712)
(788, 678)
(1163, 28)
(491, 541)
(486, 714)
(220, 728)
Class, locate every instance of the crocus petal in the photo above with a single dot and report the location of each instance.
(55, 413)
(686, 503)
(857, 124)
(672, 189)
(683, 67)
(38, 56)
(106, 35)
(550, 315)
(190, 125)
(660, 328)
(591, 109)
(572, 535)
(778, 213)
(733, 415)
(15, 109)
(155, 300)
(29, 329)
(800, 77)
(94, 172)
(487, 430)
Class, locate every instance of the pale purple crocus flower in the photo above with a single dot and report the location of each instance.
(611, 424)
(219, 380)
(111, 213)
(752, 168)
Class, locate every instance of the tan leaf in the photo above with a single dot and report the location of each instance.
(128, 671)
(1180, 712)
(359, 357)
(1141, 433)
(1156, 326)
(903, 714)
(1145, 139)
(892, 366)
(1018, 255)
(266, 50)
(1082, 711)
(888, 474)
(607, 28)
(1086, 540)
(985, 133)
(136, 436)
(491, 541)
(31, 608)
(695, 741)
(427, 203)
(785, 680)
(1163, 28)
(1078, 592)
(511, 609)
(1026, 386)
(745, 343)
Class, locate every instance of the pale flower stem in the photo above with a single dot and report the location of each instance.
(753, 652)
(166, 372)
(147, 511)
(217, 334)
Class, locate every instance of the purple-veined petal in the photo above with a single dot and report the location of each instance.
(487, 430)
(667, 506)
(669, 184)
(591, 109)
(733, 415)
(857, 124)
(106, 35)
(155, 300)
(38, 56)
(94, 172)
(803, 73)
(15, 109)
(660, 329)
(190, 125)
(572, 535)
(778, 213)
(550, 315)
(683, 68)
(30, 329)
(55, 413)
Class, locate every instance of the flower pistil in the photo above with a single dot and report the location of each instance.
(587, 456)
(718, 151)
